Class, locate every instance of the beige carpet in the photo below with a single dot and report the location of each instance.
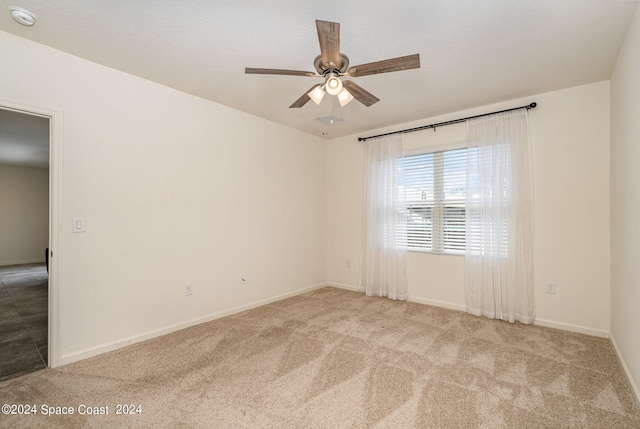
(336, 359)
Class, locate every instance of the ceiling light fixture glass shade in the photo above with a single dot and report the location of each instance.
(333, 85)
(316, 94)
(344, 97)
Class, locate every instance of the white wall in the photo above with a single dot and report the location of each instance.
(625, 203)
(24, 214)
(174, 190)
(570, 148)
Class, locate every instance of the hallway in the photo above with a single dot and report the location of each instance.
(23, 319)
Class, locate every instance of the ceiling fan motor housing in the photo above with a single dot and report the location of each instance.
(322, 68)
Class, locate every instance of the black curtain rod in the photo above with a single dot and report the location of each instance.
(442, 124)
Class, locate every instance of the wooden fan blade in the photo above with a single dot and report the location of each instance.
(329, 36)
(249, 70)
(304, 99)
(385, 66)
(360, 94)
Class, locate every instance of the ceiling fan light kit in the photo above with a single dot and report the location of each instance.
(333, 85)
(331, 64)
(344, 97)
(316, 94)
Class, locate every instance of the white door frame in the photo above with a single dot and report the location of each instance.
(55, 216)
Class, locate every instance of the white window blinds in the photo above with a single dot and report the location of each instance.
(435, 190)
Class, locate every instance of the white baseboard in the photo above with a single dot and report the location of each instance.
(435, 303)
(417, 300)
(452, 306)
(632, 382)
(342, 286)
(572, 328)
(104, 348)
(539, 322)
(22, 262)
(94, 351)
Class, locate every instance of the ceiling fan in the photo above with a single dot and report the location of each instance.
(332, 64)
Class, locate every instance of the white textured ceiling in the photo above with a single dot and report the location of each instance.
(472, 52)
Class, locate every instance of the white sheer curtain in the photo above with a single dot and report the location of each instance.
(499, 222)
(383, 269)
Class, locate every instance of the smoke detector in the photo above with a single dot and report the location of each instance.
(22, 16)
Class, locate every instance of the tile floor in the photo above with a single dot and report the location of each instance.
(24, 296)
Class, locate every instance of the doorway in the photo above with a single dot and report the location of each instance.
(27, 289)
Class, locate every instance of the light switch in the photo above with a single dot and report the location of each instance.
(78, 224)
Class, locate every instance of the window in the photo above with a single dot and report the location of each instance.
(435, 189)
